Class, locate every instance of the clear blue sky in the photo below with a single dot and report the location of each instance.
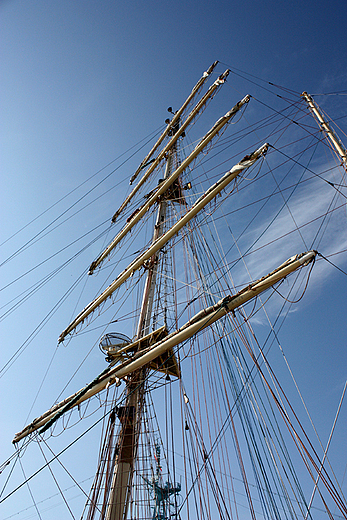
(81, 82)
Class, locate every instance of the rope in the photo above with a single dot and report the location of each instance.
(30, 492)
(27, 479)
(156, 132)
(311, 171)
(331, 263)
(304, 290)
(56, 482)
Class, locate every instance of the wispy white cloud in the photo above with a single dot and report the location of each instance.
(299, 226)
(284, 230)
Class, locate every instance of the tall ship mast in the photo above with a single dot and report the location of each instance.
(195, 421)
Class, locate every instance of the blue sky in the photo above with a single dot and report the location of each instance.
(82, 82)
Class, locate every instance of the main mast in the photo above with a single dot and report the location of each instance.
(131, 414)
(133, 361)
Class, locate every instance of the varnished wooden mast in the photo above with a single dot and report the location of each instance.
(162, 188)
(131, 414)
(138, 263)
(168, 131)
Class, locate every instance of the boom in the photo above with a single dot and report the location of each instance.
(160, 242)
(167, 183)
(203, 319)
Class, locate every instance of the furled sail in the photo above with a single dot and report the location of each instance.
(178, 132)
(203, 319)
(248, 161)
(167, 183)
(176, 117)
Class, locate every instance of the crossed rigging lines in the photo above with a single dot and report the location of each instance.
(280, 191)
